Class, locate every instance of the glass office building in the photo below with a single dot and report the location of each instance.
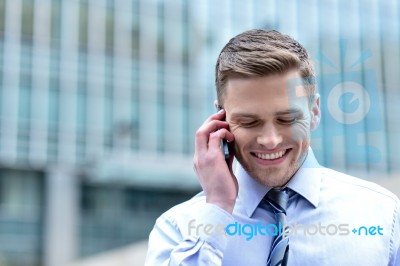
(100, 100)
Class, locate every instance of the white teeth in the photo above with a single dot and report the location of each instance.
(270, 156)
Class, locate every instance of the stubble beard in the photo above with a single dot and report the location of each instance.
(272, 177)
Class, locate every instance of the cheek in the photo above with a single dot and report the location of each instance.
(242, 137)
(300, 131)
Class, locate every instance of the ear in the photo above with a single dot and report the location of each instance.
(315, 112)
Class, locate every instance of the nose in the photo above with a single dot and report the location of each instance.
(269, 137)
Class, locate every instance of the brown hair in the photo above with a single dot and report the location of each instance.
(259, 53)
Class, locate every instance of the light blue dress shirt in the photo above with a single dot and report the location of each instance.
(334, 219)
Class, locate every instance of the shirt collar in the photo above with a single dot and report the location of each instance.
(306, 182)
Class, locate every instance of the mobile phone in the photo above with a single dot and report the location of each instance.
(224, 145)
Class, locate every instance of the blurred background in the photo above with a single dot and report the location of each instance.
(100, 99)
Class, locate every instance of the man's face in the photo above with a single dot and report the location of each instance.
(271, 129)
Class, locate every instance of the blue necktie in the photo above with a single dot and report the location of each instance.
(277, 200)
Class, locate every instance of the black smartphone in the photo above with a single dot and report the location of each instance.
(224, 145)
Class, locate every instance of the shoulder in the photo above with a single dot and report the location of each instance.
(195, 213)
(195, 208)
(185, 208)
(173, 220)
(357, 187)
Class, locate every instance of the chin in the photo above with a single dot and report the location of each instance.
(272, 176)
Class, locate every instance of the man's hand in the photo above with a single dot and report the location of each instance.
(216, 177)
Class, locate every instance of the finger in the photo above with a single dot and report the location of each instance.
(203, 134)
(213, 126)
(220, 115)
(217, 136)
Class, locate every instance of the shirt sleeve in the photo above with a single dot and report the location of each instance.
(196, 241)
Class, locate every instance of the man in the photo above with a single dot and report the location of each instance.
(279, 207)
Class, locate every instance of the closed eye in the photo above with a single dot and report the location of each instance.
(287, 121)
(248, 124)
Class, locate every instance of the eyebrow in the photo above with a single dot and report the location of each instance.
(243, 115)
(291, 111)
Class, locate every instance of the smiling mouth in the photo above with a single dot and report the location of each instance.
(271, 156)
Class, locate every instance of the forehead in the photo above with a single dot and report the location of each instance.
(276, 92)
